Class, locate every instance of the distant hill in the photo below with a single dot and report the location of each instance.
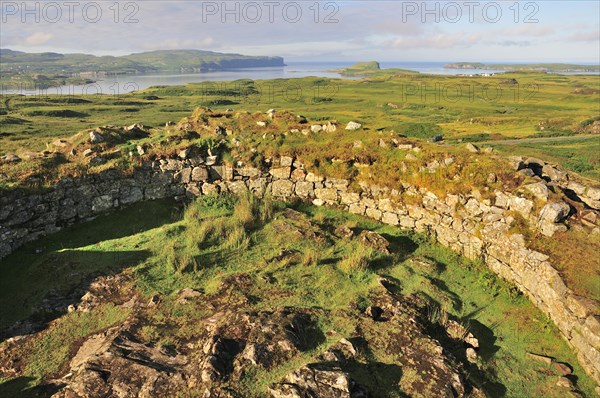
(560, 68)
(155, 61)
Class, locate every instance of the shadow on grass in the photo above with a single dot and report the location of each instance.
(482, 378)
(486, 337)
(42, 278)
(34, 296)
(20, 387)
(380, 379)
(401, 247)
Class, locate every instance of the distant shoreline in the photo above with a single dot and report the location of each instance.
(550, 67)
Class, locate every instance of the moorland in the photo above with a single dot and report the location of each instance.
(233, 296)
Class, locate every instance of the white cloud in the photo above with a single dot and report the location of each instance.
(182, 44)
(436, 41)
(593, 36)
(37, 39)
(366, 30)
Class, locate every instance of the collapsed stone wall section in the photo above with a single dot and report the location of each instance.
(472, 226)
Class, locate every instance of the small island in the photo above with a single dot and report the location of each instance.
(551, 68)
(370, 68)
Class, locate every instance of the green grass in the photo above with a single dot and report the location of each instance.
(317, 271)
(580, 157)
(79, 253)
(166, 249)
(47, 354)
(452, 105)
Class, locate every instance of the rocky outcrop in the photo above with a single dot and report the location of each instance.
(233, 341)
(476, 227)
(556, 177)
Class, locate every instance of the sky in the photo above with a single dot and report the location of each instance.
(453, 31)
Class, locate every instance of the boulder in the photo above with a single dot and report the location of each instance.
(187, 294)
(329, 127)
(286, 161)
(171, 165)
(96, 137)
(472, 148)
(353, 126)
(97, 160)
(526, 172)
(298, 175)
(282, 173)
(550, 216)
(390, 218)
(223, 172)
(539, 189)
(326, 194)
(237, 187)
(211, 160)
(316, 380)
(305, 189)
(564, 382)
(516, 162)
(554, 174)
(208, 189)
(199, 174)
(521, 205)
(562, 368)
(282, 188)
(9, 158)
(576, 187)
(60, 143)
(375, 241)
(349, 198)
(555, 212)
(311, 177)
(471, 354)
(593, 193)
(102, 203)
(184, 153)
(373, 213)
(540, 358)
(315, 128)
(344, 232)
(250, 172)
(184, 175)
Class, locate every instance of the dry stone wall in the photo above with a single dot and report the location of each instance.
(475, 227)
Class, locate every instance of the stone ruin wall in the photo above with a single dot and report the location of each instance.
(474, 227)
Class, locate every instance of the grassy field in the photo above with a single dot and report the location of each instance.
(421, 106)
(165, 249)
(33, 123)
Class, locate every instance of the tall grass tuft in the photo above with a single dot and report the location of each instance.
(358, 260)
(214, 224)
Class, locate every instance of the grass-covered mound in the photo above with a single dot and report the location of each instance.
(416, 105)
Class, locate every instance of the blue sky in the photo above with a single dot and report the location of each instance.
(510, 31)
